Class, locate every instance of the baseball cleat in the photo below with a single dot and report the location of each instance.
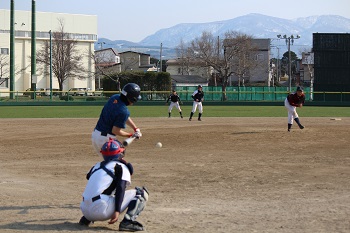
(301, 127)
(190, 119)
(128, 225)
(84, 221)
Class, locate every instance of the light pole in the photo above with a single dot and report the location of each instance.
(101, 44)
(289, 39)
(160, 57)
(50, 64)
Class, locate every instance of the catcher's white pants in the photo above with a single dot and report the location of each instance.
(98, 140)
(195, 105)
(174, 104)
(104, 208)
(292, 111)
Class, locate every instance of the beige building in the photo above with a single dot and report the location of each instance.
(180, 67)
(134, 61)
(259, 71)
(82, 28)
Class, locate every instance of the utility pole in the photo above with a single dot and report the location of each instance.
(160, 58)
(33, 53)
(101, 44)
(12, 50)
(289, 39)
(50, 64)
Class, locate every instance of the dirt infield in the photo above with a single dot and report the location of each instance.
(218, 175)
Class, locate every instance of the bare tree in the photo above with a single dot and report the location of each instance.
(5, 67)
(184, 55)
(66, 60)
(107, 66)
(227, 57)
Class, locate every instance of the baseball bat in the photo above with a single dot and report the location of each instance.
(128, 141)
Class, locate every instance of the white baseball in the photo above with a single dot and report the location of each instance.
(159, 145)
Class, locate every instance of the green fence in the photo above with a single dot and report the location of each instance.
(239, 93)
(233, 94)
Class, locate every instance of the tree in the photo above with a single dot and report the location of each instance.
(227, 57)
(183, 52)
(5, 68)
(66, 61)
(285, 62)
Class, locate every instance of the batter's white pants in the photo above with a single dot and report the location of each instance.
(98, 140)
(104, 208)
(174, 104)
(292, 111)
(195, 105)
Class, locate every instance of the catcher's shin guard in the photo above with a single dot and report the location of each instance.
(137, 204)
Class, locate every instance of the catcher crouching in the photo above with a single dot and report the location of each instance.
(105, 195)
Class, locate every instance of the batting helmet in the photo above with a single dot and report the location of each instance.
(199, 86)
(112, 149)
(132, 92)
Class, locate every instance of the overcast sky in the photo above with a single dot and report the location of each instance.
(134, 20)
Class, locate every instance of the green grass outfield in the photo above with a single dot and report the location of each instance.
(162, 111)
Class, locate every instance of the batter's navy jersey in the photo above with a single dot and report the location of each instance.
(114, 113)
(197, 94)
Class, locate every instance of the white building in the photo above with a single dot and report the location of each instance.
(82, 28)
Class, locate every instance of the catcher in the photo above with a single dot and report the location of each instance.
(175, 102)
(105, 195)
(292, 101)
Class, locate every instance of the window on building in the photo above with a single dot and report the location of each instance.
(4, 51)
(4, 82)
(259, 57)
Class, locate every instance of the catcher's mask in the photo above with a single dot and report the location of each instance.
(112, 149)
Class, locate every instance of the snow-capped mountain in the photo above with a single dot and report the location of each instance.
(256, 25)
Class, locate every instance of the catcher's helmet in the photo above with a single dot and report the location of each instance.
(132, 92)
(112, 149)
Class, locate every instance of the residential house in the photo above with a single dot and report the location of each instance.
(180, 66)
(187, 80)
(134, 61)
(260, 72)
(107, 61)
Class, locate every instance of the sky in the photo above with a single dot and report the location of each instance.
(134, 20)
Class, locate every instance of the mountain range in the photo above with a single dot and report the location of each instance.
(256, 25)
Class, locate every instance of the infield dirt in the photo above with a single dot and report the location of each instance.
(218, 175)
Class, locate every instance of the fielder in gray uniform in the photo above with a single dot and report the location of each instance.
(105, 195)
(175, 102)
(198, 97)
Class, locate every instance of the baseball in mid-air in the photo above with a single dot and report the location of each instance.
(159, 145)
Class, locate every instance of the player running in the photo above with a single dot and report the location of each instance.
(292, 101)
(175, 102)
(198, 97)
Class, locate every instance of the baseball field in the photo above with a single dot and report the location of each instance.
(223, 174)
